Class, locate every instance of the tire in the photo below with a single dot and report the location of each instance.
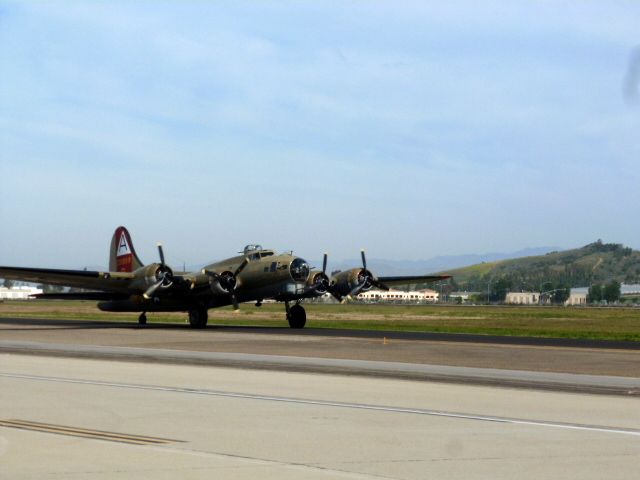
(297, 317)
(198, 318)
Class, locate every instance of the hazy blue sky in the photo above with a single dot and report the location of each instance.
(413, 129)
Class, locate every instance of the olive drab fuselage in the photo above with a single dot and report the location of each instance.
(266, 275)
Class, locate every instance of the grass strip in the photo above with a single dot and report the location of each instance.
(559, 322)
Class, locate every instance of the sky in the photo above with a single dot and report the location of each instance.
(411, 129)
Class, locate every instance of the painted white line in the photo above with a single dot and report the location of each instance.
(324, 403)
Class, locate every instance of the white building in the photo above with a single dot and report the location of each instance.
(522, 298)
(400, 296)
(18, 293)
(629, 289)
(576, 298)
(461, 296)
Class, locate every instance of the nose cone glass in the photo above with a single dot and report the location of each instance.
(299, 270)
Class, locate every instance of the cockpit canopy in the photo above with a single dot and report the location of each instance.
(256, 252)
(253, 248)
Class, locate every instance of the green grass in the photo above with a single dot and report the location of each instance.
(586, 323)
(563, 322)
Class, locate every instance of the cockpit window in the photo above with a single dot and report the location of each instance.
(251, 248)
(266, 253)
(299, 270)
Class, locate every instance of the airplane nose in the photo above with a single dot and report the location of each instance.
(299, 270)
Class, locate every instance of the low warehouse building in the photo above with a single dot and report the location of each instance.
(400, 296)
(18, 293)
(522, 298)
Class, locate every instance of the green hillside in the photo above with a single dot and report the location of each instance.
(581, 267)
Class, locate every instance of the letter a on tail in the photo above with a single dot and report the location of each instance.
(122, 255)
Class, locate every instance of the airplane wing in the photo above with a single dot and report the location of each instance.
(104, 281)
(410, 280)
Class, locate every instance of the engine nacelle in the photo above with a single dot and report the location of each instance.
(222, 283)
(151, 274)
(319, 281)
(352, 282)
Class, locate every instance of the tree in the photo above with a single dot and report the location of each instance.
(595, 294)
(8, 283)
(611, 292)
(500, 289)
(561, 294)
(477, 298)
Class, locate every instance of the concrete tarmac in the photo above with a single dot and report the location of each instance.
(602, 384)
(620, 359)
(95, 419)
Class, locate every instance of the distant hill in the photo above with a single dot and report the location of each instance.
(420, 267)
(597, 262)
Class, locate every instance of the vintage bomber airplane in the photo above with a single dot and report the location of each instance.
(255, 275)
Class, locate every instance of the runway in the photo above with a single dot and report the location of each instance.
(242, 423)
(97, 400)
(619, 359)
(601, 384)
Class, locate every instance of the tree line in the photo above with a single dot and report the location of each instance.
(609, 292)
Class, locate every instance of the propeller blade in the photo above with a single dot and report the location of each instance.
(380, 285)
(331, 289)
(232, 288)
(364, 259)
(209, 273)
(161, 254)
(152, 289)
(234, 301)
(357, 290)
(324, 263)
(241, 267)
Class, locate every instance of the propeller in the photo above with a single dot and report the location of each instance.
(164, 275)
(322, 283)
(228, 281)
(318, 283)
(371, 278)
(237, 272)
(365, 279)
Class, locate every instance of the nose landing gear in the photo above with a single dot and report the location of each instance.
(296, 315)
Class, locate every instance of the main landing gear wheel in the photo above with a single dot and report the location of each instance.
(142, 319)
(198, 318)
(296, 316)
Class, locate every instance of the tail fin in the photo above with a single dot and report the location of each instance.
(122, 256)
